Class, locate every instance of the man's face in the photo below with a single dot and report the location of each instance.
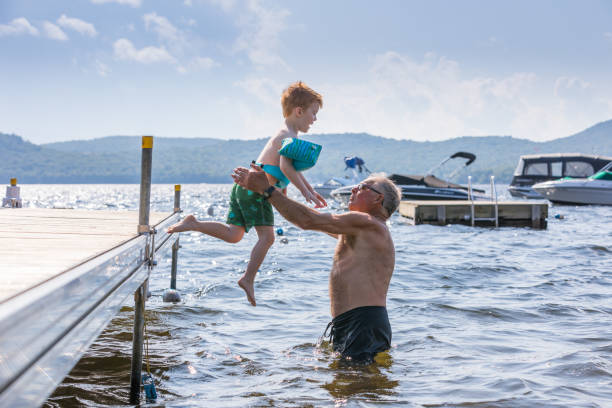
(365, 196)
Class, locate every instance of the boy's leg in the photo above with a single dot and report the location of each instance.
(227, 232)
(265, 239)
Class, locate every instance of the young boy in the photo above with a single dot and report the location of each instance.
(248, 209)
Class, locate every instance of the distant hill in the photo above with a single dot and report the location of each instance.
(116, 159)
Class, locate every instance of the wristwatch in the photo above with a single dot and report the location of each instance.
(266, 194)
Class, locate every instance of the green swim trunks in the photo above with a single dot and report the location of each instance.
(248, 209)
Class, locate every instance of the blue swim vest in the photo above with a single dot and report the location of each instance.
(303, 153)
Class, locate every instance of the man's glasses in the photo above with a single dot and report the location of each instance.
(363, 186)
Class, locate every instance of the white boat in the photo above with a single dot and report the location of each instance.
(538, 168)
(596, 189)
(354, 172)
(333, 183)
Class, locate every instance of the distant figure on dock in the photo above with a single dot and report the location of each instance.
(283, 158)
(363, 261)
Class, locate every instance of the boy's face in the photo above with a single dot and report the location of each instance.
(306, 117)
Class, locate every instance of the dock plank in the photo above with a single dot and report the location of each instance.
(37, 244)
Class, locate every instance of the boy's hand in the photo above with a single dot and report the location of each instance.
(321, 199)
(315, 199)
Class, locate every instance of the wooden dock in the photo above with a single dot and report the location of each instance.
(532, 214)
(65, 274)
(37, 244)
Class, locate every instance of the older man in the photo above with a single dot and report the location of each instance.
(363, 261)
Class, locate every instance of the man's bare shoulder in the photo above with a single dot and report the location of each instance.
(363, 220)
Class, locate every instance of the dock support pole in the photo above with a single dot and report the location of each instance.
(140, 295)
(172, 295)
(137, 342)
(177, 198)
(175, 248)
(145, 184)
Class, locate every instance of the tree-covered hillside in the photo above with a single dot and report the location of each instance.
(116, 159)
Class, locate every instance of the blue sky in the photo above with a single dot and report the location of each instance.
(428, 70)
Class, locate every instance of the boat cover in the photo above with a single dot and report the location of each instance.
(419, 180)
(428, 181)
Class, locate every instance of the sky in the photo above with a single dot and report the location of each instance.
(418, 70)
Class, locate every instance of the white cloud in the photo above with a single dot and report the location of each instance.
(161, 26)
(191, 22)
(125, 50)
(433, 99)
(608, 35)
(175, 39)
(17, 27)
(101, 68)
(261, 31)
(54, 32)
(266, 90)
(188, 3)
(204, 63)
(133, 3)
(80, 26)
(226, 5)
(563, 85)
(198, 64)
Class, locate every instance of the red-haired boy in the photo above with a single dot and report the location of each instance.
(248, 209)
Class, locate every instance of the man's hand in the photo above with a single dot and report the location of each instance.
(254, 179)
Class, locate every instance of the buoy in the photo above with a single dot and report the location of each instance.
(284, 241)
(171, 295)
(279, 231)
(149, 387)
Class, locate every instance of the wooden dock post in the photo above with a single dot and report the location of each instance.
(175, 246)
(145, 184)
(140, 295)
(137, 342)
(177, 198)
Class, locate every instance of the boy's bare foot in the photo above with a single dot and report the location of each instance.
(187, 224)
(247, 286)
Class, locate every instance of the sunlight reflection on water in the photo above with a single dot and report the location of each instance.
(481, 317)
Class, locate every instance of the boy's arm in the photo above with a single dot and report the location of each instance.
(286, 166)
(306, 183)
(312, 190)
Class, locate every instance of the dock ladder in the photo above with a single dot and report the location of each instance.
(495, 217)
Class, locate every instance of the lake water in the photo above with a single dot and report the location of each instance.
(481, 317)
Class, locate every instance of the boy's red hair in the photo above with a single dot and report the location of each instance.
(300, 95)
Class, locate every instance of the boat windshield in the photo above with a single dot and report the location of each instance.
(519, 168)
(536, 169)
(578, 169)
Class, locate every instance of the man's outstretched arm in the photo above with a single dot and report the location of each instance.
(298, 214)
